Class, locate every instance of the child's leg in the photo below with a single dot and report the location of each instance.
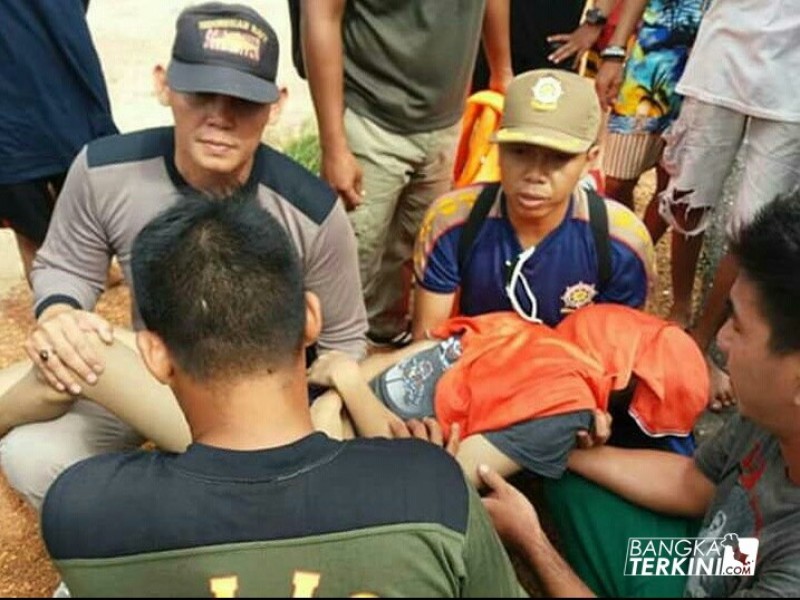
(476, 450)
(328, 414)
(125, 388)
(24, 398)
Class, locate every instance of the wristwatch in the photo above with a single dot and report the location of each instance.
(595, 16)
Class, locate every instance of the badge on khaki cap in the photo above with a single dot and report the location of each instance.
(546, 93)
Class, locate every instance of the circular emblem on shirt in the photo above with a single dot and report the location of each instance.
(577, 295)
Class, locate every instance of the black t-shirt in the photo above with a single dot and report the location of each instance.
(531, 22)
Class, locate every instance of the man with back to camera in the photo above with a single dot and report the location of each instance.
(259, 504)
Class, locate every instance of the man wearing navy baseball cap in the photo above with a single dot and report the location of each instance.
(225, 49)
(221, 88)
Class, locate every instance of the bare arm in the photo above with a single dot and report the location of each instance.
(321, 35)
(580, 40)
(430, 310)
(609, 77)
(629, 17)
(370, 417)
(661, 481)
(518, 525)
(497, 43)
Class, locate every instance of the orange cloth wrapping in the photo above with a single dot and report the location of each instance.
(673, 380)
(512, 371)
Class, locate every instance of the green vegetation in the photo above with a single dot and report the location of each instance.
(304, 148)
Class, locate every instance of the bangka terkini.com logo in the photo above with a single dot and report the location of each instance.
(729, 555)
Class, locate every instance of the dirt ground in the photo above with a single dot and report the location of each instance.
(132, 36)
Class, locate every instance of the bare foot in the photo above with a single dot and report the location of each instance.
(721, 392)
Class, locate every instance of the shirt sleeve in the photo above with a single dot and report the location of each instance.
(436, 248)
(72, 264)
(332, 274)
(489, 572)
(713, 457)
(633, 258)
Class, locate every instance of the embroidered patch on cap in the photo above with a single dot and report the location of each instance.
(233, 36)
(546, 93)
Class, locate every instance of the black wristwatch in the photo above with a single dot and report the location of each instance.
(595, 16)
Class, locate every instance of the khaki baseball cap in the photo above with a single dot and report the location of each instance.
(551, 108)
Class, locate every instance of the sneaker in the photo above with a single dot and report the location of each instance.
(401, 340)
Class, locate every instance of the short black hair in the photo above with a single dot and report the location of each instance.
(768, 253)
(220, 282)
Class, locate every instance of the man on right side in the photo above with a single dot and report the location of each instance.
(744, 481)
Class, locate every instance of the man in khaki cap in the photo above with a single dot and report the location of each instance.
(537, 242)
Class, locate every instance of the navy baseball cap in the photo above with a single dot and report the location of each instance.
(224, 49)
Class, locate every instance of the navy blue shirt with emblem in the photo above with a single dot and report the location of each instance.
(561, 272)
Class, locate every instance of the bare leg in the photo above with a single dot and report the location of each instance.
(327, 414)
(685, 253)
(476, 450)
(125, 388)
(621, 190)
(128, 390)
(655, 224)
(26, 399)
(709, 323)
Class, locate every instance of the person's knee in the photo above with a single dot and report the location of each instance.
(684, 211)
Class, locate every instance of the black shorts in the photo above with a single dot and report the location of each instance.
(27, 207)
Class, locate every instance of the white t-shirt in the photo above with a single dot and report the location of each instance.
(747, 58)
